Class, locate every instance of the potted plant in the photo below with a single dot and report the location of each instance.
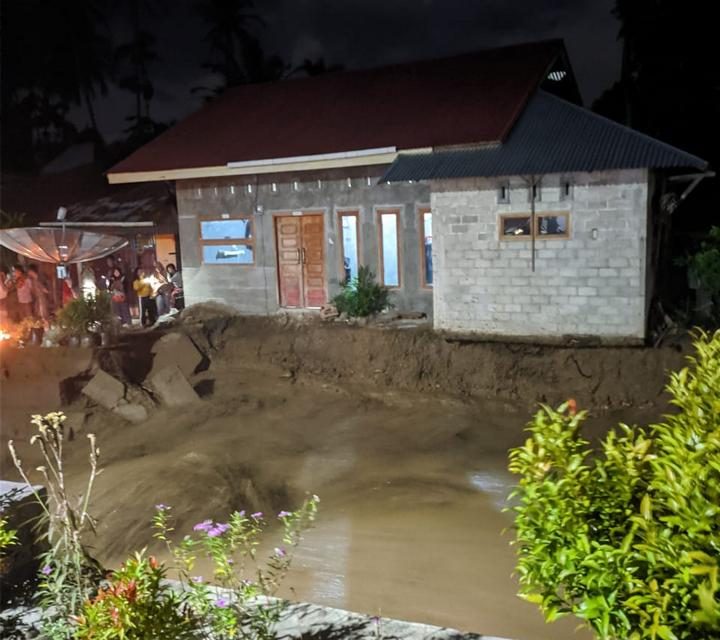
(83, 318)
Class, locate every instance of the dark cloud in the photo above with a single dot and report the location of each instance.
(366, 33)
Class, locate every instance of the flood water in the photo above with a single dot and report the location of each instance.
(412, 492)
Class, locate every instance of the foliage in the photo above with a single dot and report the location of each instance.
(70, 575)
(137, 604)
(362, 295)
(8, 537)
(241, 607)
(84, 314)
(627, 538)
(705, 264)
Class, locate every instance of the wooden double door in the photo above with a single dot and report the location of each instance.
(300, 241)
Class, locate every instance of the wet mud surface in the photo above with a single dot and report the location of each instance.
(412, 481)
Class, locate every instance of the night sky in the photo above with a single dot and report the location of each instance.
(366, 33)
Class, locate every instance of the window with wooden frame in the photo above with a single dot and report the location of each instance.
(349, 236)
(389, 240)
(548, 225)
(227, 239)
(425, 227)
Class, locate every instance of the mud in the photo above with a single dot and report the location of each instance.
(404, 435)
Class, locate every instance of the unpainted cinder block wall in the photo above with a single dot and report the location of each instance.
(253, 289)
(583, 285)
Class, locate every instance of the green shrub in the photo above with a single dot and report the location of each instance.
(705, 264)
(89, 313)
(627, 538)
(362, 295)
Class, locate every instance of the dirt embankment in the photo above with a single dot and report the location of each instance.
(422, 360)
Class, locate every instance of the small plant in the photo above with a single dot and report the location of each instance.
(8, 537)
(627, 539)
(69, 575)
(86, 314)
(136, 604)
(362, 295)
(242, 606)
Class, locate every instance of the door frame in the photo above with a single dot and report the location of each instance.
(285, 213)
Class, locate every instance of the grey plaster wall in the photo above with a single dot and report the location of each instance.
(591, 283)
(253, 289)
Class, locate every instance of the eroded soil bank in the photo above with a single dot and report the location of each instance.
(403, 435)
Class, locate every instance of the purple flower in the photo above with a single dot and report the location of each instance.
(46, 570)
(205, 525)
(257, 515)
(284, 514)
(221, 603)
(161, 507)
(242, 513)
(218, 530)
(280, 552)
(197, 579)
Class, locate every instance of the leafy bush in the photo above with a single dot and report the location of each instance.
(136, 605)
(705, 264)
(241, 607)
(627, 538)
(362, 295)
(84, 314)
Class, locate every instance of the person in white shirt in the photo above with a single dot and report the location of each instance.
(23, 288)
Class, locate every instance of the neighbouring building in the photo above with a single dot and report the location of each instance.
(475, 187)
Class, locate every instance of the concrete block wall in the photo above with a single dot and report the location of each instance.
(253, 289)
(582, 285)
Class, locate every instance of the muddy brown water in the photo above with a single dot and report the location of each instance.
(412, 486)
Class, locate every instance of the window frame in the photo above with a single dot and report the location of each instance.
(380, 212)
(534, 232)
(219, 217)
(341, 240)
(421, 211)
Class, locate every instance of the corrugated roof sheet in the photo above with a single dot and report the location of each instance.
(551, 136)
(471, 98)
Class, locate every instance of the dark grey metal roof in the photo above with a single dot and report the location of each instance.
(551, 136)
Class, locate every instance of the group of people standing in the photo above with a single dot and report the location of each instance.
(158, 290)
(30, 292)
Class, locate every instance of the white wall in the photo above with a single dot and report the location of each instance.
(581, 285)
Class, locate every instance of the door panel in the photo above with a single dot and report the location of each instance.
(289, 261)
(313, 244)
(301, 260)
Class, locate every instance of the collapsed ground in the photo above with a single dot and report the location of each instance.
(403, 434)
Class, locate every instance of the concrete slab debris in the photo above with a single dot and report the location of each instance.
(172, 387)
(134, 413)
(104, 389)
(176, 349)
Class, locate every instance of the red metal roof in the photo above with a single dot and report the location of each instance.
(466, 99)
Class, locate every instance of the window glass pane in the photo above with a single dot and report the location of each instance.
(427, 247)
(390, 258)
(350, 246)
(552, 225)
(235, 229)
(227, 254)
(516, 226)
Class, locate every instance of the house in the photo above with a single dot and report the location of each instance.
(474, 186)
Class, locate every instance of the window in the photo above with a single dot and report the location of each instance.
(515, 226)
(349, 244)
(566, 190)
(426, 247)
(227, 240)
(535, 192)
(547, 224)
(552, 225)
(389, 247)
(503, 196)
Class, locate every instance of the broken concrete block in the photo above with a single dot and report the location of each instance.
(176, 349)
(328, 312)
(132, 412)
(21, 561)
(105, 390)
(173, 388)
